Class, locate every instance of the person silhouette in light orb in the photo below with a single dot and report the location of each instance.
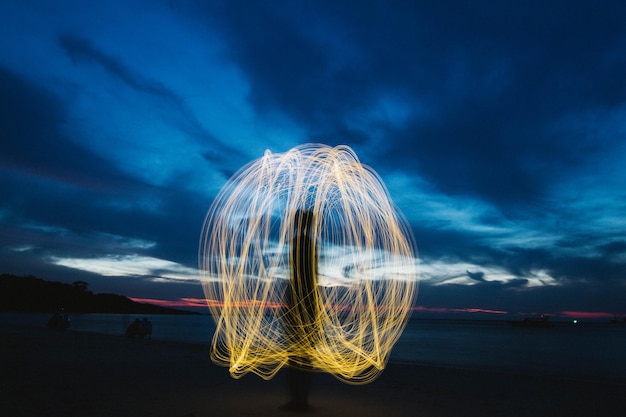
(302, 319)
(307, 264)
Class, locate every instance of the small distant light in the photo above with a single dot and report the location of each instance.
(575, 321)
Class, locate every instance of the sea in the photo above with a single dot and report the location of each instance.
(588, 351)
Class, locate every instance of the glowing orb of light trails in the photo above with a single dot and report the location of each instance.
(366, 273)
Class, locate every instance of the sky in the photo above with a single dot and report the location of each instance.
(499, 128)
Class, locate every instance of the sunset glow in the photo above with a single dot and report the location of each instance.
(586, 314)
(181, 302)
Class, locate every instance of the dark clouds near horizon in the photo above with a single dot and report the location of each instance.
(497, 126)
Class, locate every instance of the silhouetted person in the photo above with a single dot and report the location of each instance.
(302, 319)
(59, 321)
(65, 322)
(53, 322)
(134, 329)
(146, 328)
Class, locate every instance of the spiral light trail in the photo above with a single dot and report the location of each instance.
(364, 274)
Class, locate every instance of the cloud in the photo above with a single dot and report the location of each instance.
(81, 50)
(476, 276)
(131, 265)
(613, 249)
(490, 99)
(34, 141)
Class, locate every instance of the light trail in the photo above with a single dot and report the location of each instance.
(361, 305)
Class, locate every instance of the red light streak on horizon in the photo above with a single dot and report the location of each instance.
(201, 302)
(586, 314)
(181, 302)
(258, 304)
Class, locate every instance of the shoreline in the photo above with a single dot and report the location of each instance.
(71, 373)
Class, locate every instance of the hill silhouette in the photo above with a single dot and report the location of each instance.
(32, 294)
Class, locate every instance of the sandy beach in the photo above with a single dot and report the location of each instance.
(66, 373)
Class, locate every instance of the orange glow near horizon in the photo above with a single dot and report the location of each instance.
(181, 302)
(365, 285)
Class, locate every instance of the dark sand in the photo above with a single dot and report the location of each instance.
(64, 373)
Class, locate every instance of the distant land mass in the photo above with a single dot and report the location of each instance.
(32, 294)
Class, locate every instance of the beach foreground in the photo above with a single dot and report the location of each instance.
(63, 373)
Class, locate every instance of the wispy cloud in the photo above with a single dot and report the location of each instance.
(458, 310)
(130, 266)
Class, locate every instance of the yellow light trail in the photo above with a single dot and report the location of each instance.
(365, 277)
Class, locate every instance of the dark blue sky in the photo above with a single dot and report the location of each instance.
(498, 127)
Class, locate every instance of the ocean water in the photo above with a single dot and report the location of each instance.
(585, 351)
